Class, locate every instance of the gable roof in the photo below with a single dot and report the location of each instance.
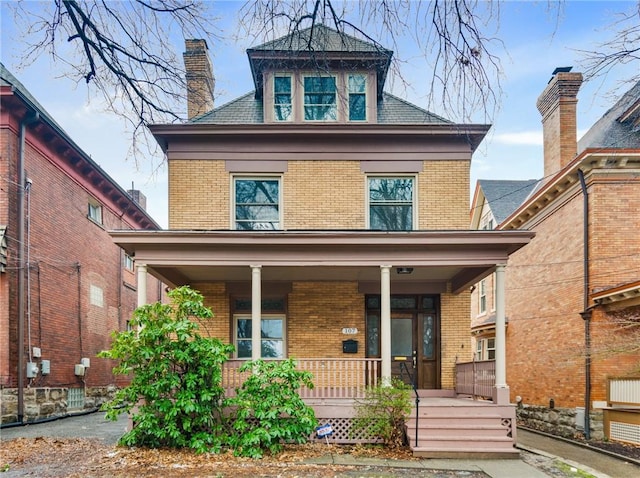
(18, 96)
(618, 128)
(318, 47)
(248, 109)
(504, 196)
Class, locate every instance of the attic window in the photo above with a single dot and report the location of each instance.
(320, 98)
(282, 98)
(357, 97)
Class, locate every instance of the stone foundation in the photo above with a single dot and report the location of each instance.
(42, 403)
(559, 421)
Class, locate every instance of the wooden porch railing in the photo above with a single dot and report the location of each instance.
(332, 378)
(476, 378)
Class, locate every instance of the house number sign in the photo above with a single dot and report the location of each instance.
(350, 331)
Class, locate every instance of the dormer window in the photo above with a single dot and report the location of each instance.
(357, 97)
(320, 98)
(282, 98)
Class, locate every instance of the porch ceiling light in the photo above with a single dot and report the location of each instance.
(404, 270)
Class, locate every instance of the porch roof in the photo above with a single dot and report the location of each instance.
(460, 257)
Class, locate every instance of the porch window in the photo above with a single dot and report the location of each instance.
(320, 98)
(272, 333)
(282, 98)
(257, 203)
(391, 203)
(357, 97)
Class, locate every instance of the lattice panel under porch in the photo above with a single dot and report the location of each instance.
(342, 432)
(626, 432)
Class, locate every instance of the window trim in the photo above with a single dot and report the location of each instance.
(482, 297)
(336, 93)
(94, 212)
(414, 204)
(349, 93)
(256, 177)
(291, 97)
(244, 315)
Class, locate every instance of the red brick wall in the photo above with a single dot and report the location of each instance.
(68, 254)
(545, 334)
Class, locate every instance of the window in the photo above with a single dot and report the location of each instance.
(320, 98)
(95, 212)
(486, 349)
(257, 203)
(391, 203)
(282, 98)
(482, 297)
(357, 97)
(96, 295)
(128, 262)
(271, 336)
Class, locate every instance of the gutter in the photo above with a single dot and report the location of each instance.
(29, 119)
(586, 313)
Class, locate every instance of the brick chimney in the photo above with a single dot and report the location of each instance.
(200, 81)
(558, 104)
(138, 197)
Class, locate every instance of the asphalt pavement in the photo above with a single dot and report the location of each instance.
(94, 425)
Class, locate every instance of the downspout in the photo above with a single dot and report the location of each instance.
(20, 233)
(586, 313)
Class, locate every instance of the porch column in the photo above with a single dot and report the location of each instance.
(501, 391)
(141, 270)
(385, 324)
(256, 311)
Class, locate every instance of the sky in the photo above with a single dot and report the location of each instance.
(536, 40)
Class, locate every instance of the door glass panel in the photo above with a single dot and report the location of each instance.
(428, 337)
(373, 335)
(401, 337)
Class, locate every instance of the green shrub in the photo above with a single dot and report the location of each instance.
(268, 410)
(175, 396)
(382, 413)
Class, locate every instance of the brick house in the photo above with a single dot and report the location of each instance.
(569, 288)
(326, 220)
(493, 201)
(64, 285)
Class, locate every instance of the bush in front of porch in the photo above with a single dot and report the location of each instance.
(176, 399)
(382, 413)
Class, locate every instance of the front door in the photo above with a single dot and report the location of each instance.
(415, 338)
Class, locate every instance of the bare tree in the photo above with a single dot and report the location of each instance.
(463, 71)
(621, 334)
(621, 49)
(120, 49)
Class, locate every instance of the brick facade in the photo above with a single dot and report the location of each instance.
(77, 291)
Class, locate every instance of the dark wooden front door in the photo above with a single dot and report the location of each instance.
(415, 338)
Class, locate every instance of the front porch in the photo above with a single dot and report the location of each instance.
(442, 423)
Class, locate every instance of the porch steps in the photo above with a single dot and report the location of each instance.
(462, 428)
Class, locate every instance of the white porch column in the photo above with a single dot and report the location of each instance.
(501, 392)
(385, 323)
(141, 270)
(256, 311)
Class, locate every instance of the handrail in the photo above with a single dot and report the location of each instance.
(415, 391)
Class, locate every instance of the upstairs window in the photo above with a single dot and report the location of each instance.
(257, 203)
(482, 297)
(391, 203)
(128, 262)
(282, 98)
(95, 212)
(357, 97)
(320, 98)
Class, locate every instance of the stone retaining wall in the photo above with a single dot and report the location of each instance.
(41, 403)
(559, 421)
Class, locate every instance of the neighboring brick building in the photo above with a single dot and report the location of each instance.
(324, 215)
(493, 201)
(64, 285)
(556, 281)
